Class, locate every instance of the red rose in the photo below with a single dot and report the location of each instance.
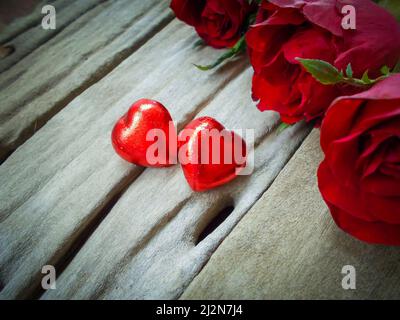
(219, 22)
(311, 29)
(360, 176)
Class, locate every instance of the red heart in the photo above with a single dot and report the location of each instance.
(130, 132)
(203, 140)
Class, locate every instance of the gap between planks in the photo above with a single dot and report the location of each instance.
(84, 234)
(258, 198)
(31, 36)
(23, 23)
(202, 103)
(207, 83)
(108, 64)
(288, 247)
(100, 213)
(217, 199)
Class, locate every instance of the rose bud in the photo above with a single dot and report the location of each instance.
(220, 23)
(288, 29)
(359, 178)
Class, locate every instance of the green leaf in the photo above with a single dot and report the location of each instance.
(198, 43)
(396, 68)
(283, 126)
(385, 70)
(349, 71)
(240, 45)
(205, 67)
(365, 78)
(222, 58)
(235, 50)
(322, 71)
(251, 19)
(327, 74)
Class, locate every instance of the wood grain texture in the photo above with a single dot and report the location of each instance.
(58, 183)
(146, 247)
(15, 25)
(288, 247)
(85, 51)
(34, 35)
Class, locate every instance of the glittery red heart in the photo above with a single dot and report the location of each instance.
(208, 160)
(129, 136)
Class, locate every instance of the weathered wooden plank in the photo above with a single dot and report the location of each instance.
(33, 37)
(11, 29)
(57, 184)
(147, 246)
(46, 80)
(288, 246)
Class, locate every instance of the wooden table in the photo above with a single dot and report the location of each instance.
(114, 230)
